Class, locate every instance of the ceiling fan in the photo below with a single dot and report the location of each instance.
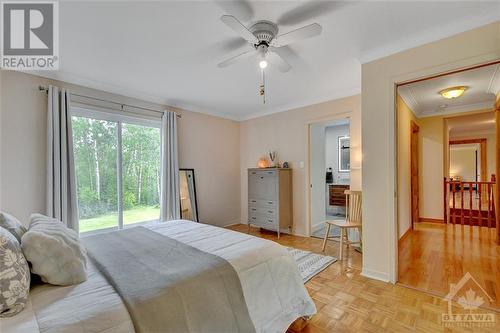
(264, 40)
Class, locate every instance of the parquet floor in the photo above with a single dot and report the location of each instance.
(349, 302)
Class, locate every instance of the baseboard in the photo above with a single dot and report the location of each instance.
(430, 220)
(233, 222)
(403, 237)
(376, 275)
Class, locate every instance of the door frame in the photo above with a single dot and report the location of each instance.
(414, 128)
(340, 116)
(484, 154)
(405, 78)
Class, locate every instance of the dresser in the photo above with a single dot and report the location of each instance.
(270, 199)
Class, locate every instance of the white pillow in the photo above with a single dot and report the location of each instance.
(54, 251)
(14, 275)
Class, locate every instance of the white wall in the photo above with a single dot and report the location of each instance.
(378, 118)
(288, 134)
(463, 161)
(208, 144)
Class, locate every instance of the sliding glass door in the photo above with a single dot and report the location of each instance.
(117, 163)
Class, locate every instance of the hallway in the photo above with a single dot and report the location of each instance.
(434, 255)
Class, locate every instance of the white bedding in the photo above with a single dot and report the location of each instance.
(273, 289)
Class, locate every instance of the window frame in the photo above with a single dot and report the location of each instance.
(98, 113)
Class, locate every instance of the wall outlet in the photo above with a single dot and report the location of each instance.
(301, 164)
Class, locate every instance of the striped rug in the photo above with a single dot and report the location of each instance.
(310, 263)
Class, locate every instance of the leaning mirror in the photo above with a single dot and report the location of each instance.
(344, 154)
(189, 206)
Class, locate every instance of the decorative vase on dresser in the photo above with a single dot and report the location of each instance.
(270, 199)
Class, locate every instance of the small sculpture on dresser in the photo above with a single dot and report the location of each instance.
(273, 156)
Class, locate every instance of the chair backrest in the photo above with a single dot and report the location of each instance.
(353, 208)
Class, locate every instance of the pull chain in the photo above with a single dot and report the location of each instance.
(263, 87)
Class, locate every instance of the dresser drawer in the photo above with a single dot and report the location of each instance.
(268, 222)
(263, 203)
(261, 210)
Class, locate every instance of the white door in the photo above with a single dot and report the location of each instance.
(318, 175)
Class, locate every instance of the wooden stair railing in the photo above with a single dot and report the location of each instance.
(470, 203)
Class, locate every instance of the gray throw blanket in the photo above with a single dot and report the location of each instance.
(168, 286)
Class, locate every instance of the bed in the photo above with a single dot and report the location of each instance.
(272, 287)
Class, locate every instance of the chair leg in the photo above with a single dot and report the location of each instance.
(360, 237)
(341, 249)
(326, 236)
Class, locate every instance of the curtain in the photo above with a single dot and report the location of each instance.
(61, 179)
(169, 179)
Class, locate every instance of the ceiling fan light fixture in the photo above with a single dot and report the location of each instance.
(453, 92)
(263, 64)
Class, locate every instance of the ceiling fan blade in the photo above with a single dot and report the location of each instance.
(277, 60)
(239, 28)
(308, 31)
(309, 11)
(239, 8)
(236, 58)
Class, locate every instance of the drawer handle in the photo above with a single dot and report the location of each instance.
(254, 200)
(271, 221)
(270, 202)
(253, 218)
(254, 209)
(261, 177)
(270, 211)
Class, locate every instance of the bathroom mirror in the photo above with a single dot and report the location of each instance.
(187, 185)
(344, 154)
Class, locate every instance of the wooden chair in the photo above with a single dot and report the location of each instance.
(352, 220)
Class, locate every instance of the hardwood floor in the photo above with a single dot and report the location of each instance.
(434, 255)
(349, 302)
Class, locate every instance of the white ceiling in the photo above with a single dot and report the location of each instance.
(424, 99)
(167, 52)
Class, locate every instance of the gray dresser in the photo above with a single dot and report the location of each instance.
(270, 199)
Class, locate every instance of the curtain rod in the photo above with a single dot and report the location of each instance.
(42, 88)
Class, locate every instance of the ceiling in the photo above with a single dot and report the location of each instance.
(166, 52)
(424, 99)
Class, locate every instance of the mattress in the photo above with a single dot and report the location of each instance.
(272, 287)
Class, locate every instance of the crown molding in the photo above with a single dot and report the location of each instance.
(126, 92)
(457, 109)
(430, 36)
(406, 93)
(494, 86)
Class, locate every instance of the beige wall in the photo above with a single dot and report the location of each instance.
(404, 118)
(378, 118)
(208, 144)
(287, 133)
(431, 166)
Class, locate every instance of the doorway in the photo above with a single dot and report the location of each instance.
(329, 173)
(447, 192)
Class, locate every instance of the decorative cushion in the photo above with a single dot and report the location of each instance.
(14, 275)
(13, 225)
(54, 251)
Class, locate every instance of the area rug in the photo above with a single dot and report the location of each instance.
(309, 263)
